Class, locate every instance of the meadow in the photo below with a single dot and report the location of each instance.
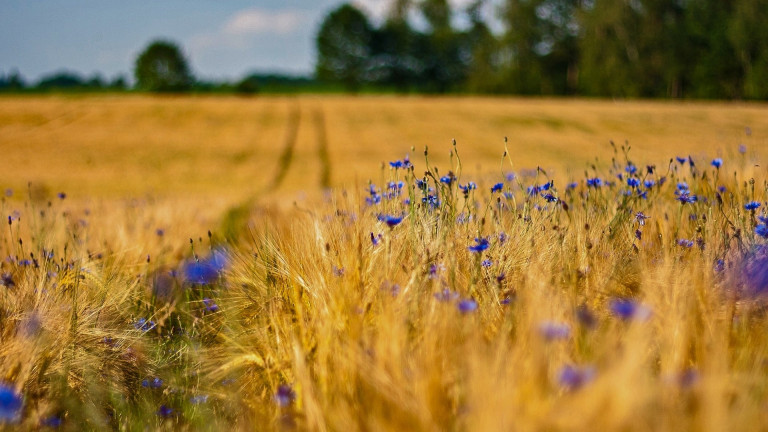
(340, 263)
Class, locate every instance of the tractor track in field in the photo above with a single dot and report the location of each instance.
(322, 148)
(286, 156)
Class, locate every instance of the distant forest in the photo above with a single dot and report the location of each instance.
(605, 48)
(700, 49)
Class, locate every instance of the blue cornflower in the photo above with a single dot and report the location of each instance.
(554, 331)
(144, 325)
(640, 217)
(497, 187)
(717, 163)
(572, 185)
(446, 295)
(510, 176)
(690, 161)
(391, 221)
(195, 400)
(681, 160)
(719, 265)
(687, 198)
(533, 190)
(508, 195)
(61, 195)
(762, 230)
(594, 182)
(752, 205)
(721, 189)
(763, 218)
(682, 187)
(467, 306)
(633, 182)
(631, 169)
(685, 243)
(742, 148)
(10, 404)
(285, 395)
(649, 183)
(210, 305)
(396, 164)
(486, 263)
(203, 271)
(549, 197)
(470, 186)
(503, 237)
(628, 309)
(164, 411)
(53, 422)
(573, 378)
(446, 180)
(480, 245)
(375, 240)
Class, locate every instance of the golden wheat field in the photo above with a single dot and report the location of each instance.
(299, 263)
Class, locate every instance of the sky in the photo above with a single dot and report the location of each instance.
(221, 39)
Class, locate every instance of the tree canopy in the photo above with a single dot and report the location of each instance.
(161, 67)
(613, 48)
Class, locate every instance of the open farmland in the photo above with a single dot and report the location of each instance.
(225, 264)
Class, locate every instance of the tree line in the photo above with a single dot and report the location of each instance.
(605, 48)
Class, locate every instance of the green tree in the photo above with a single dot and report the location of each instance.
(161, 67)
(440, 49)
(343, 47)
(395, 60)
(749, 38)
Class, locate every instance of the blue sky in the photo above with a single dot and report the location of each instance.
(221, 38)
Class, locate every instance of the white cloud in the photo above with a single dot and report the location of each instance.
(261, 21)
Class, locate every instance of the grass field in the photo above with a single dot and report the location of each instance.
(257, 264)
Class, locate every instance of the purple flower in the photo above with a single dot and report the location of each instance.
(717, 163)
(573, 377)
(446, 295)
(631, 168)
(649, 183)
(195, 400)
(391, 221)
(480, 245)
(164, 411)
(633, 182)
(10, 404)
(61, 195)
(210, 305)
(204, 271)
(375, 240)
(554, 331)
(144, 325)
(285, 395)
(742, 148)
(762, 230)
(486, 263)
(594, 182)
(686, 198)
(467, 306)
(685, 243)
(630, 310)
(752, 205)
(640, 217)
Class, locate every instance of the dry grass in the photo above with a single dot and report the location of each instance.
(370, 335)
